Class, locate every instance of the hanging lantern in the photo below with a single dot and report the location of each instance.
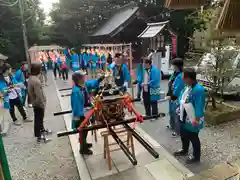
(228, 21)
(184, 4)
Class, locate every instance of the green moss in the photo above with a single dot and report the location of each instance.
(221, 114)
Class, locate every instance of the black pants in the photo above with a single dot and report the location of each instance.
(139, 92)
(16, 102)
(55, 69)
(65, 74)
(187, 137)
(38, 121)
(151, 107)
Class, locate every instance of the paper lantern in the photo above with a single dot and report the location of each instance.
(228, 21)
(184, 4)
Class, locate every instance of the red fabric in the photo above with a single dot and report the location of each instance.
(64, 66)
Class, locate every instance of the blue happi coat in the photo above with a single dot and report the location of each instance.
(197, 98)
(153, 83)
(140, 74)
(19, 77)
(78, 99)
(103, 59)
(94, 58)
(4, 92)
(177, 87)
(75, 62)
(91, 84)
(125, 71)
(86, 58)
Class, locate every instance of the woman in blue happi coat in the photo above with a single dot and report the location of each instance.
(192, 111)
(175, 87)
(10, 92)
(79, 99)
(151, 88)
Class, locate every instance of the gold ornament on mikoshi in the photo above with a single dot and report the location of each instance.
(184, 4)
(228, 21)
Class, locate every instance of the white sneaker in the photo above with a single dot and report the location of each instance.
(30, 106)
(17, 123)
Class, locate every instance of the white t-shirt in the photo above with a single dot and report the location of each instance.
(14, 92)
(146, 77)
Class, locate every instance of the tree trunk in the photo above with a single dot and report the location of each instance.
(214, 104)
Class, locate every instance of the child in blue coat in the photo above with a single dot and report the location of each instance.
(192, 111)
(79, 98)
(175, 87)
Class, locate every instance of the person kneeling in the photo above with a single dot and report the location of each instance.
(192, 107)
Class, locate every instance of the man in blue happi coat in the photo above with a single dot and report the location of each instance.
(151, 88)
(120, 72)
(191, 111)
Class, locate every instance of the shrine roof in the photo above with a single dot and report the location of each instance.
(118, 21)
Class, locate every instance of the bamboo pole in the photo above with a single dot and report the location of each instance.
(4, 163)
(131, 68)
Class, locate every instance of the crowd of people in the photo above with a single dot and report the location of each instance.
(186, 100)
(186, 97)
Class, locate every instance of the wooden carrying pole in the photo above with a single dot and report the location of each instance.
(184, 4)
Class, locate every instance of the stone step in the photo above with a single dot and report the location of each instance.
(222, 171)
(164, 170)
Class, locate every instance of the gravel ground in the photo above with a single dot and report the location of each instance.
(29, 160)
(221, 143)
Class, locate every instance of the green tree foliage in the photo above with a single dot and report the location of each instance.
(73, 20)
(11, 37)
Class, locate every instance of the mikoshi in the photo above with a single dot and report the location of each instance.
(4, 168)
(113, 49)
(184, 4)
